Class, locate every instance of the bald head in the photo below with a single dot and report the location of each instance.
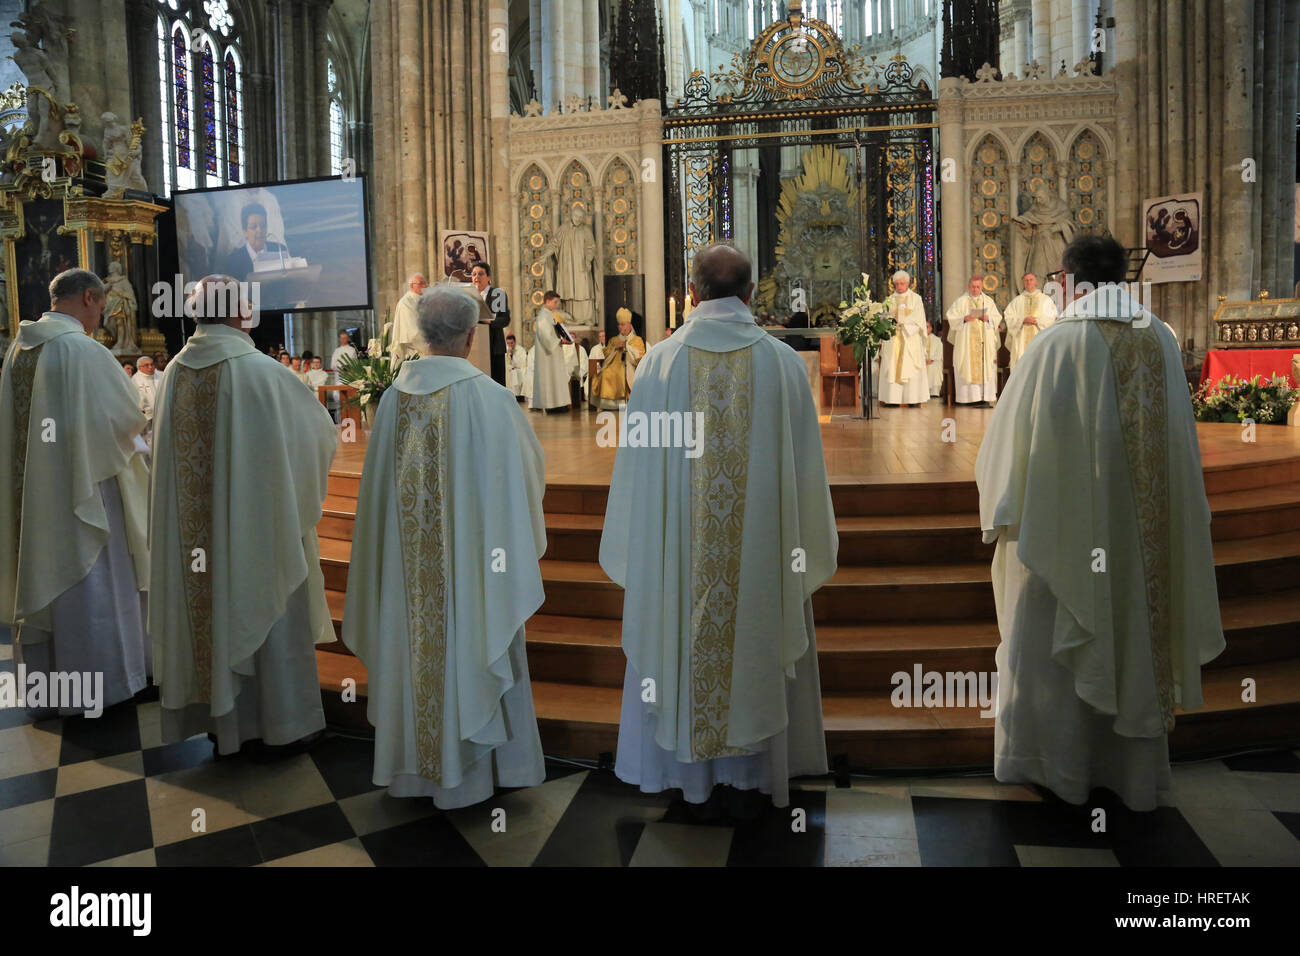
(721, 271)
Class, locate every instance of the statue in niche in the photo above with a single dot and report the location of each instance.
(1047, 228)
(120, 310)
(122, 156)
(574, 249)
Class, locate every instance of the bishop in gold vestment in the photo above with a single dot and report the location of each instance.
(613, 383)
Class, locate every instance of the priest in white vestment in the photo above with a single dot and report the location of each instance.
(903, 379)
(146, 383)
(1027, 314)
(934, 363)
(73, 500)
(973, 322)
(516, 365)
(237, 595)
(345, 351)
(404, 336)
(1090, 482)
(550, 375)
(719, 548)
(444, 573)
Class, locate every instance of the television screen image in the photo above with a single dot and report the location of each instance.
(303, 243)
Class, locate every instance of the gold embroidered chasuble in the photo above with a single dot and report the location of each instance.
(1114, 477)
(443, 575)
(234, 512)
(69, 419)
(714, 613)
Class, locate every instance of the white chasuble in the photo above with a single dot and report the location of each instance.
(1103, 572)
(975, 348)
(238, 594)
(405, 340)
(443, 575)
(1036, 305)
(550, 373)
(903, 375)
(719, 564)
(73, 508)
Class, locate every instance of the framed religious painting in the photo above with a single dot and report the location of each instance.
(38, 248)
(461, 251)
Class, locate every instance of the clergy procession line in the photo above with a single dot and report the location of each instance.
(718, 569)
(911, 362)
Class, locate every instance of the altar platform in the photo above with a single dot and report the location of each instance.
(913, 587)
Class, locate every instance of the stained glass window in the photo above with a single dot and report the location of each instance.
(181, 95)
(234, 122)
(336, 119)
(209, 112)
(201, 87)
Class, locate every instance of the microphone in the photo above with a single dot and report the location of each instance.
(284, 246)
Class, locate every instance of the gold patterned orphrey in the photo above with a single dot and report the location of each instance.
(1259, 323)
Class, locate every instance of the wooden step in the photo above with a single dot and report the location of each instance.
(1265, 472)
(1255, 511)
(1245, 568)
(872, 734)
(343, 485)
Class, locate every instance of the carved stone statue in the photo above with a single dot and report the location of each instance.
(121, 157)
(120, 310)
(574, 249)
(1047, 228)
(41, 52)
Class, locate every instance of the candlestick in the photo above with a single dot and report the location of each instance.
(672, 312)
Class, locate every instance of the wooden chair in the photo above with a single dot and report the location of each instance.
(837, 369)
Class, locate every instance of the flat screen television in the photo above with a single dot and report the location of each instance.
(302, 245)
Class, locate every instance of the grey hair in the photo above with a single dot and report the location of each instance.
(901, 273)
(446, 315)
(217, 298)
(71, 283)
(415, 275)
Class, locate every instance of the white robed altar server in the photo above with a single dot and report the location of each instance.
(934, 363)
(404, 336)
(516, 365)
(903, 379)
(1027, 314)
(549, 372)
(719, 555)
(73, 499)
(238, 597)
(1090, 482)
(146, 382)
(444, 573)
(973, 322)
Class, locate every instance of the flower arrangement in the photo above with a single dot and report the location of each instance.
(865, 324)
(371, 373)
(1265, 401)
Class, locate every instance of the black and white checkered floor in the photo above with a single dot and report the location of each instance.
(107, 792)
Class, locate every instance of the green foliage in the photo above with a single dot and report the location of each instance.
(865, 324)
(1264, 401)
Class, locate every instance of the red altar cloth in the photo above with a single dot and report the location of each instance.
(1245, 363)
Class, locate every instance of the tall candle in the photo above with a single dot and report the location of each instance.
(672, 312)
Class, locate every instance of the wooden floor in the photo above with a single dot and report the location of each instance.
(902, 444)
(913, 586)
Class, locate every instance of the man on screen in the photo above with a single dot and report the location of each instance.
(239, 263)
